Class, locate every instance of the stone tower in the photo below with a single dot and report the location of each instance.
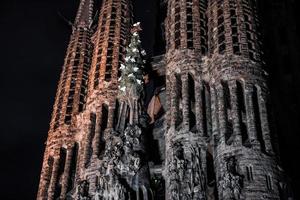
(219, 124)
(58, 173)
(197, 127)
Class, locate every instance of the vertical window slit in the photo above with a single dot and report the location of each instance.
(60, 171)
(192, 116)
(73, 165)
(242, 113)
(178, 93)
(228, 120)
(91, 135)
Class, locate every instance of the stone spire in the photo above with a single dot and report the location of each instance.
(59, 166)
(84, 14)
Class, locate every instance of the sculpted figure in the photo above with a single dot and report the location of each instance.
(177, 167)
(98, 193)
(198, 178)
(232, 181)
(83, 190)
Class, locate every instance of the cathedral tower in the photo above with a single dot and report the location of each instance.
(218, 103)
(188, 119)
(242, 140)
(97, 121)
(60, 155)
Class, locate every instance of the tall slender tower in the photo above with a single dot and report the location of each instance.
(218, 124)
(110, 42)
(188, 119)
(57, 177)
(97, 121)
(86, 99)
(243, 144)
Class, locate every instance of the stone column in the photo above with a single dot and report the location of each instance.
(110, 118)
(227, 25)
(174, 101)
(251, 128)
(242, 29)
(197, 24)
(221, 113)
(123, 116)
(265, 121)
(45, 177)
(198, 107)
(96, 140)
(215, 116)
(185, 101)
(54, 177)
(183, 26)
(168, 102)
(88, 142)
(235, 113)
(134, 112)
(137, 110)
(119, 115)
(66, 174)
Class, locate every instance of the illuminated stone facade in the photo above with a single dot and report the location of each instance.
(209, 135)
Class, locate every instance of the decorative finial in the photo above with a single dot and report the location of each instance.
(136, 28)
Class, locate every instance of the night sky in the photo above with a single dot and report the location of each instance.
(33, 44)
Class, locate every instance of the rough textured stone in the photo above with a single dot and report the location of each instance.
(212, 137)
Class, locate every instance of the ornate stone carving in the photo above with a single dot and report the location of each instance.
(83, 190)
(186, 176)
(198, 178)
(124, 167)
(232, 182)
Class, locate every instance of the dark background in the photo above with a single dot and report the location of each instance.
(33, 43)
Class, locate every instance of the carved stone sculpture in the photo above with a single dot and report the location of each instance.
(83, 190)
(232, 182)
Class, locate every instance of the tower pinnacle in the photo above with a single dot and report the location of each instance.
(84, 14)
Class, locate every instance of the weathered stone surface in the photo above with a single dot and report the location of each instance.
(211, 138)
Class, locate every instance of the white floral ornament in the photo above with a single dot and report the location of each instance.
(123, 88)
(135, 69)
(137, 24)
(122, 66)
(143, 52)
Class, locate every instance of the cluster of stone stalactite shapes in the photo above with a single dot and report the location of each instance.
(61, 173)
(236, 105)
(186, 172)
